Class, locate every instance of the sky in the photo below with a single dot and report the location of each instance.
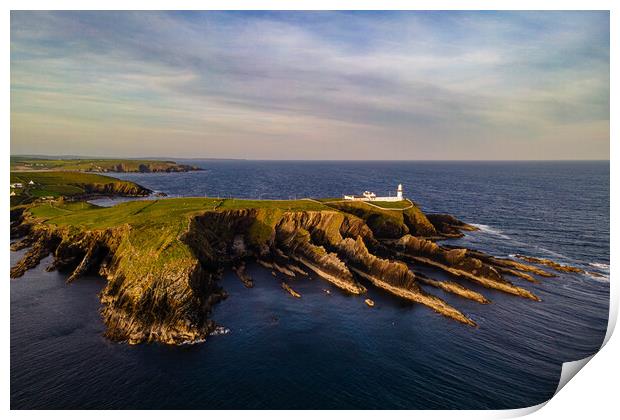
(311, 85)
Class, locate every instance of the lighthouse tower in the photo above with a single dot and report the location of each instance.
(399, 192)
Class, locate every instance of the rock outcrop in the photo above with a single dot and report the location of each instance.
(123, 189)
(169, 168)
(458, 263)
(552, 264)
(449, 225)
(389, 223)
(101, 166)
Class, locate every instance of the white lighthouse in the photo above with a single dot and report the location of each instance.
(370, 196)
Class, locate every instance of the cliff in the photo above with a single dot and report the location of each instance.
(163, 259)
(123, 189)
(146, 167)
(386, 223)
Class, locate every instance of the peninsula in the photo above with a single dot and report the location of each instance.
(163, 259)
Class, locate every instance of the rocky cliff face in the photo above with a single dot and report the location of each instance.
(164, 292)
(169, 168)
(448, 225)
(115, 188)
(457, 262)
(143, 167)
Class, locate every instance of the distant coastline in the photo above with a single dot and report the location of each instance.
(24, 164)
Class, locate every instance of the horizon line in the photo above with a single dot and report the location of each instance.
(43, 156)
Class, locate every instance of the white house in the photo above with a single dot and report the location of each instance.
(17, 185)
(31, 182)
(370, 196)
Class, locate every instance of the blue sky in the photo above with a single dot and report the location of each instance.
(311, 85)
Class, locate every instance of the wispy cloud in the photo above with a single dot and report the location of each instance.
(363, 85)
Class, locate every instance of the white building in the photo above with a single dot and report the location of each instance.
(370, 196)
(17, 185)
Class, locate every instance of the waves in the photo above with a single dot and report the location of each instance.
(490, 230)
(219, 330)
(603, 278)
(600, 266)
(602, 273)
(599, 271)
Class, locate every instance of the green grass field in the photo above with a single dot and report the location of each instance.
(327, 200)
(274, 204)
(57, 184)
(397, 205)
(153, 211)
(155, 226)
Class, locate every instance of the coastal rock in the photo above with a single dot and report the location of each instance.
(552, 264)
(396, 273)
(116, 188)
(395, 278)
(449, 225)
(418, 223)
(458, 263)
(389, 224)
(142, 167)
(452, 287)
(43, 242)
(510, 266)
(290, 291)
(239, 269)
(167, 302)
(325, 264)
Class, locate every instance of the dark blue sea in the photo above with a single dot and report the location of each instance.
(332, 351)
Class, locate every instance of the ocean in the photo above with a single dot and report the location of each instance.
(332, 351)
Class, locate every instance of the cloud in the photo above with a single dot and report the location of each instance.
(438, 85)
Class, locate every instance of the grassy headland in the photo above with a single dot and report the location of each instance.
(163, 258)
(51, 185)
(145, 213)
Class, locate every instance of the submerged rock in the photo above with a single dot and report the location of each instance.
(239, 269)
(552, 264)
(452, 287)
(288, 288)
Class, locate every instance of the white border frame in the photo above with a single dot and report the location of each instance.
(592, 395)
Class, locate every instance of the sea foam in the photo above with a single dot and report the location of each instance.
(490, 230)
(601, 266)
